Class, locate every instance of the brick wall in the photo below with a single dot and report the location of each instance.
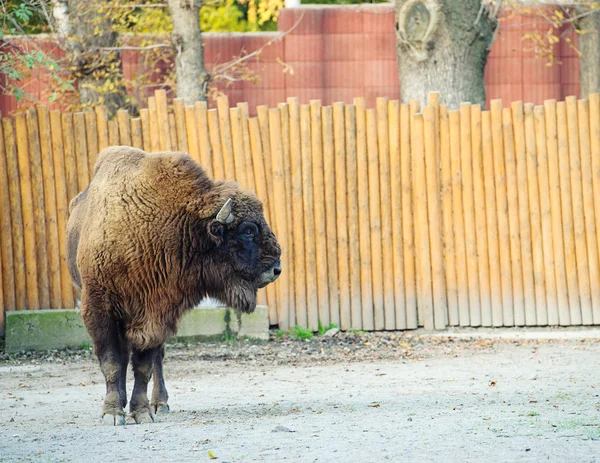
(339, 52)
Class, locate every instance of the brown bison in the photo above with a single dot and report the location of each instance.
(149, 238)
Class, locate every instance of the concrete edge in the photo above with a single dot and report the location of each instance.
(63, 328)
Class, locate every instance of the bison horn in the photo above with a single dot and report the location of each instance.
(225, 216)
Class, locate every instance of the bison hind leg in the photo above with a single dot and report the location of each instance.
(108, 338)
(160, 396)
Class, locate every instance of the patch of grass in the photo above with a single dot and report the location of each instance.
(301, 333)
(85, 345)
(325, 329)
(279, 334)
(533, 414)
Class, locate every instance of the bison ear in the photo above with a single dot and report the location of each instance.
(216, 230)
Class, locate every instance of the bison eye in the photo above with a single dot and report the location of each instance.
(248, 230)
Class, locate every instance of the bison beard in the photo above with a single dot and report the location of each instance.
(148, 239)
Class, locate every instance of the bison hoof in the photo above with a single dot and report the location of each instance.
(144, 416)
(113, 420)
(161, 409)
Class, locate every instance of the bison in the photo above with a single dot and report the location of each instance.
(148, 239)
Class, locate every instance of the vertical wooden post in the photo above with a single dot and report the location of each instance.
(218, 167)
(162, 120)
(102, 126)
(339, 143)
(524, 209)
(566, 202)
(37, 188)
(491, 219)
(396, 205)
(70, 159)
(6, 239)
(81, 153)
(386, 213)
(364, 233)
(375, 220)
(466, 167)
(583, 114)
(244, 114)
(192, 132)
(330, 213)
(145, 118)
(16, 214)
(113, 133)
(594, 124)
(280, 218)
(50, 216)
(480, 218)
(462, 280)
(91, 130)
(137, 137)
(261, 192)
(353, 205)
(546, 216)
(309, 221)
(299, 255)
(449, 249)
(33, 297)
(180, 124)
(579, 229)
(422, 224)
(173, 133)
(226, 142)
(320, 217)
(284, 117)
(204, 138)
(155, 144)
(237, 138)
(408, 246)
(535, 218)
(62, 207)
(502, 203)
(557, 225)
(124, 127)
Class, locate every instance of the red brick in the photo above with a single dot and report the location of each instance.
(311, 22)
(305, 74)
(342, 20)
(569, 71)
(303, 47)
(537, 93)
(379, 18)
(380, 74)
(504, 71)
(221, 48)
(252, 41)
(346, 47)
(381, 46)
(343, 74)
(536, 71)
(270, 75)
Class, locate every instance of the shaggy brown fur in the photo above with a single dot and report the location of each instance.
(144, 246)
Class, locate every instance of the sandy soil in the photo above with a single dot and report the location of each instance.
(354, 398)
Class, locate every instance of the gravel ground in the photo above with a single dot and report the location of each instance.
(474, 395)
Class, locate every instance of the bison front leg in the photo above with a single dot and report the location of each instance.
(112, 353)
(142, 362)
(159, 391)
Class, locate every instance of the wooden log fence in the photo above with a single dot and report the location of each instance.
(393, 217)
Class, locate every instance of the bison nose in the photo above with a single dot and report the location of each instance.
(277, 270)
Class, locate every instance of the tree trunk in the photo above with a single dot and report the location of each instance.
(189, 61)
(98, 71)
(589, 46)
(442, 46)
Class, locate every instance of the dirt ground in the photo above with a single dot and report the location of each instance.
(356, 397)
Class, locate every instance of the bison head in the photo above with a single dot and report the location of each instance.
(245, 255)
